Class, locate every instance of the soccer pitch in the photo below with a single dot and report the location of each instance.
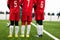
(51, 27)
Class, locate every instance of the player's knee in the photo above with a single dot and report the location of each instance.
(39, 22)
(23, 22)
(16, 23)
(11, 22)
(28, 22)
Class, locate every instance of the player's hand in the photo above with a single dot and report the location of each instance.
(21, 5)
(8, 6)
(35, 6)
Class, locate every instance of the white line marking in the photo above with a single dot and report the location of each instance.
(55, 38)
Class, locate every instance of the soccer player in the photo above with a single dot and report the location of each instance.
(14, 6)
(39, 16)
(27, 6)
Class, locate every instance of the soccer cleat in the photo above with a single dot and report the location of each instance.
(16, 35)
(8, 24)
(27, 35)
(21, 35)
(38, 35)
(9, 35)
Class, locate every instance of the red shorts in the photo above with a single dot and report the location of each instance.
(27, 16)
(14, 14)
(39, 15)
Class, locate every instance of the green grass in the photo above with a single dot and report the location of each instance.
(52, 27)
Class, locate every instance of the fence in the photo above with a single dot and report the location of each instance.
(5, 16)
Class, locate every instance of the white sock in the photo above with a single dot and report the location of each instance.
(11, 30)
(22, 29)
(16, 29)
(28, 29)
(40, 29)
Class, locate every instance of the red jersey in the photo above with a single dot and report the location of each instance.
(27, 5)
(40, 5)
(14, 10)
(14, 3)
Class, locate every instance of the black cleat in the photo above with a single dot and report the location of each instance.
(38, 35)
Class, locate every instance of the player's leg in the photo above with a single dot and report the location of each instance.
(23, 28)
(39, 21)
(29, 20)
(16, 28)
(28, 28)
(11, 28)
(24, 18)
(17, 18)
(11, 23)
(39, 28)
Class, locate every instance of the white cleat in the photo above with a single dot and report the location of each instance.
(21, 35)
(27, 35)
(16, 35)
(9, 35)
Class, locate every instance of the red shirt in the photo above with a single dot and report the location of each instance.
(40, 5)
(14, 3)
(27, 5)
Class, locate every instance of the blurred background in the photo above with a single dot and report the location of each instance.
(52, 10)
(51, 21)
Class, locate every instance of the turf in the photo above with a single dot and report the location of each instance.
(52, 27)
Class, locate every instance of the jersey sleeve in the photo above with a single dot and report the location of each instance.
(8, 3)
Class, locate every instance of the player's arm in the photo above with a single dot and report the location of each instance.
(8, 4)
(21, 3)
(34, 4)
(44, 3)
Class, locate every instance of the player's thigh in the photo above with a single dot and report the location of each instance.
(17, 16)
(42, 16)
(29, 18)
(12, 15)
(24, 17)
(39, 15)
